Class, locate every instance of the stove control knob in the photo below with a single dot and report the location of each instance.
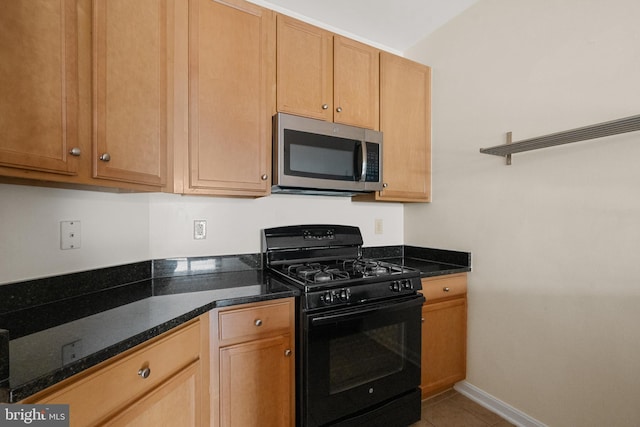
(395, 286)
(407, 284)
(345, 294)
(327, 298)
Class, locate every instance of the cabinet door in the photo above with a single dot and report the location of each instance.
(356, 85)
(405, 120)
(39, 85)
(444, 344)
(131, 57)
(232, 97)
(304, 69)
(255, 383)
(175, 404)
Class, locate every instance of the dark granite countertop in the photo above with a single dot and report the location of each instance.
(431, 262)
(98, 314)
(117, 323)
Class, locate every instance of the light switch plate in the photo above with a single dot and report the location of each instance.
(70, 234)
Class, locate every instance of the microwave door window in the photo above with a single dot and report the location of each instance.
(317, 156)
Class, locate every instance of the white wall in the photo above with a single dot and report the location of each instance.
(114, 230)
(123, 228)
(554, 296)
(233, 225)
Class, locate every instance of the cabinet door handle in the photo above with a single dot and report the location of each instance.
(339, 109)
(287, 352)
(264, 177)
(144, 373)
(258, 322)
(105, 157)
(446, 289)
(422, 319)
(325, 106)
(75, 151)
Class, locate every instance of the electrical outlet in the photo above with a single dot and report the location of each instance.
(71, 352)
(378, 228)
(69, 234)
(200, 229)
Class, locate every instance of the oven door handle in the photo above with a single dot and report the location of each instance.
(356, 313)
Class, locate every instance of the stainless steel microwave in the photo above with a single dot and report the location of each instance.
(316, 157)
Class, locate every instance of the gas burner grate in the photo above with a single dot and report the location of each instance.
(369, 267)
(316, 273)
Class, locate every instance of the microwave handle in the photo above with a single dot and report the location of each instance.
(363, 161)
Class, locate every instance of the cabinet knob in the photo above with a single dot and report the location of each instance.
(258, 322)
(446, 289)
(339, 109)
(105, 157)
(144, 373)
(325, 106)
(422, 319)
(264, 177)
(385, 185)
(287, 352)
(75, 151)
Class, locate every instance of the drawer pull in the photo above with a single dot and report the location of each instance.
(446, 289)
(287, 352)
(258, 322)
(144, 373)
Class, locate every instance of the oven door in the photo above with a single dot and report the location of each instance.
(358, 358)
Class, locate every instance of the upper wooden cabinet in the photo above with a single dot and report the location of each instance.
(81, 80)
(405, 121)
(231, 98)
(131, 55)
(178, 95)
(356, 83)
(325, 76)
(305, 69)
(39, 85)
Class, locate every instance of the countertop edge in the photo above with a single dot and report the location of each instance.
(23, 391)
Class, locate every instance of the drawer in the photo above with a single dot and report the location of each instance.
(435, 288)
(117, 384)
(255, 321)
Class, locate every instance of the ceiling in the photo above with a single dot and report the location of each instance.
(392, 24)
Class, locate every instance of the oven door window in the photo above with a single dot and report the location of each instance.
(358, 358)
(362, 356)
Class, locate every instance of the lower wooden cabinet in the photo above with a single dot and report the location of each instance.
(173, 404)
(444, 333)
(161, 382)
(253, 365)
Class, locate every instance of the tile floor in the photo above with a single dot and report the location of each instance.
(451, 409)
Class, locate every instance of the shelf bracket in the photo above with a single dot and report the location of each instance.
(507, 158)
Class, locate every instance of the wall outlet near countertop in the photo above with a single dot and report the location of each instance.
(378, 228)
(199, 229)
(71, 352)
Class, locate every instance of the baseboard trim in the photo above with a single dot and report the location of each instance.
(493, 404)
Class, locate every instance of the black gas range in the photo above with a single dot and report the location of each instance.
(358, 327)
(326, 263)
